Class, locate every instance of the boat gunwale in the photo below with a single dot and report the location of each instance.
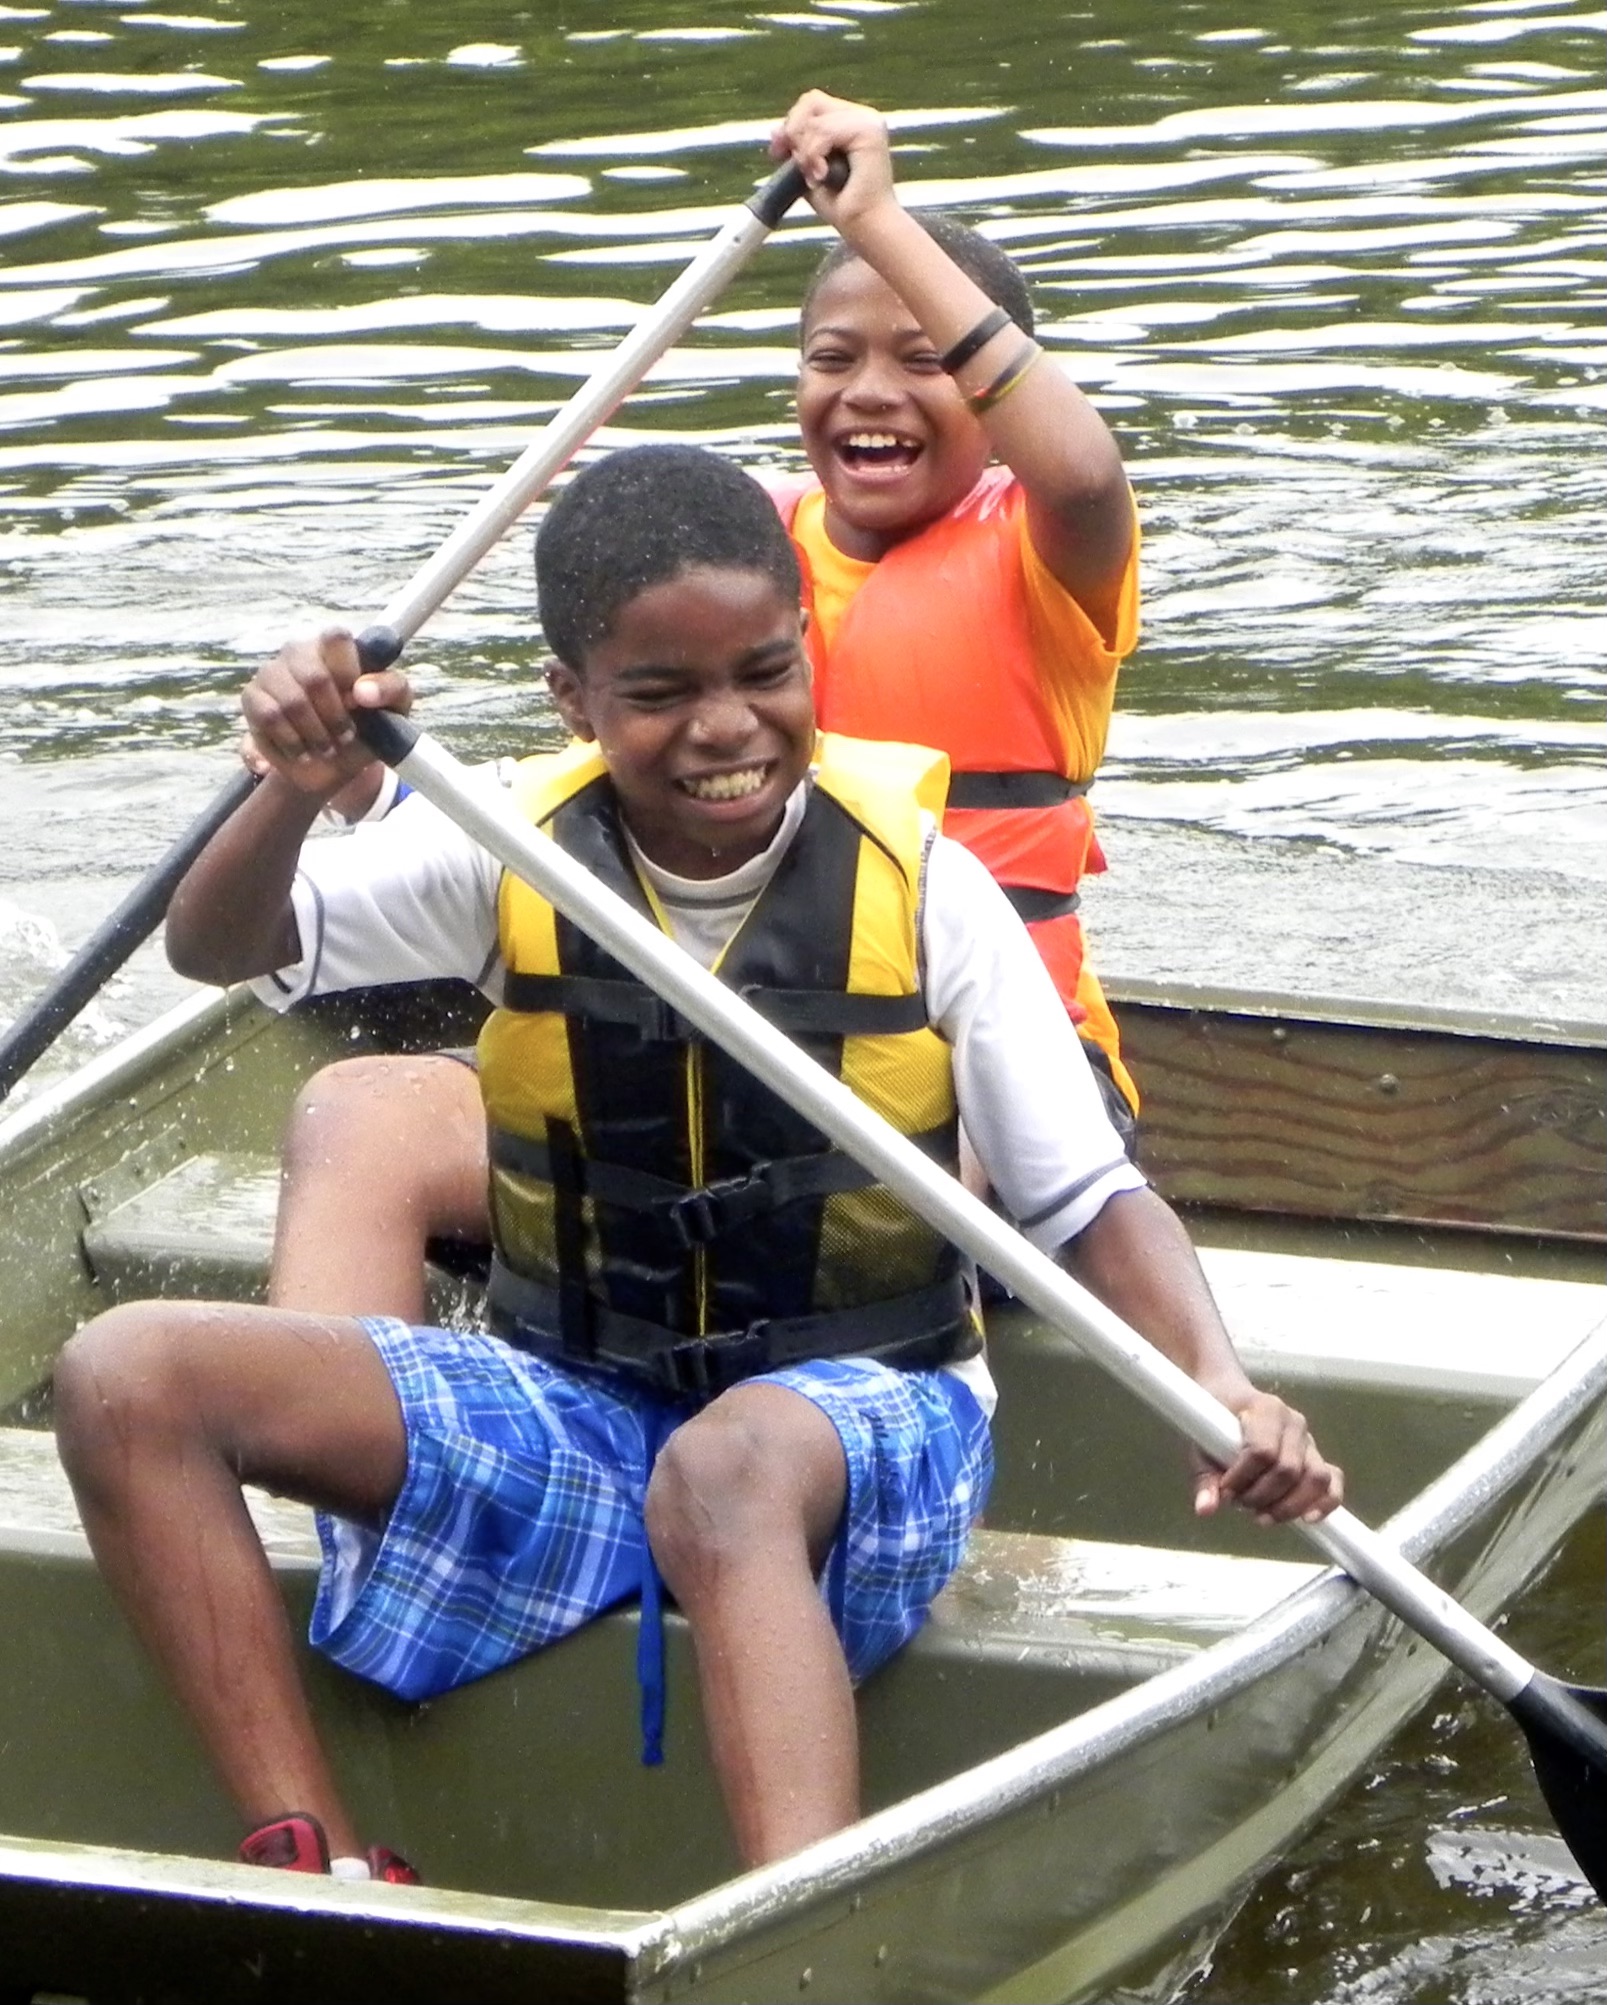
(1356, 1013)
(127, 1061)
(1014, 1782)
(229, 1883)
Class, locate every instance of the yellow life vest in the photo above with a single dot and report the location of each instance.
(658, 1213)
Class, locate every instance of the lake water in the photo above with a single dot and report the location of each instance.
(279, 297)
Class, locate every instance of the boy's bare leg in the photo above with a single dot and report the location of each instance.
(743, 1506)
(162, 1411)
(381, 1156)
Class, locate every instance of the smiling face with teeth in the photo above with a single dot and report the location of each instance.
(887, 433)
(699, 698)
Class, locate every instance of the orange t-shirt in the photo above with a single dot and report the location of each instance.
(1076, 667)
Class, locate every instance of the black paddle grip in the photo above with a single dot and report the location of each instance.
(377, 648)
(386, 733)
(775, 197)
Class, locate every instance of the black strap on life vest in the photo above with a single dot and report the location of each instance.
(569, 1239)
(1022, 790)
(920, 1331)
(1033, 906)
(1013, 790)
(799, 1012)
(698, 1215)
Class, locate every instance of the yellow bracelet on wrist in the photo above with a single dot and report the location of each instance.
(980, 402)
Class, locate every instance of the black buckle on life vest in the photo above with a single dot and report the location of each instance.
(659, 1022)
(703, 1215)
(701, 1368)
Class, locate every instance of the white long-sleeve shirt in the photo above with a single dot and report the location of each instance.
(412, 897)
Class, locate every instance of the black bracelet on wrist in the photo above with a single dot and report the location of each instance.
(973, 343)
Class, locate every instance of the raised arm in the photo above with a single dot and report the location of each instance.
(1079, 507)
(231, 917)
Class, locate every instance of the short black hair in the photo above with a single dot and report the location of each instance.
(982, 261)
(640, 517)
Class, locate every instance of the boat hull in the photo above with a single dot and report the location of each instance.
(1118, 1717)
(1112, 1841)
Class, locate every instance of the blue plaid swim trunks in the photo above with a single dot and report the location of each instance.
(520, 1516)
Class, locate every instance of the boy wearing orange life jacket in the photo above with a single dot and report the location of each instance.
(977, 607)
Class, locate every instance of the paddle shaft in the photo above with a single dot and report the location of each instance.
(596, 400)
(141, 912)
(739, 1028)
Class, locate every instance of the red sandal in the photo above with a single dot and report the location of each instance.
(296, 1843)
(384, 1864)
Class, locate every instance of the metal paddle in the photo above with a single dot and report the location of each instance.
(1564, 1724)
(141, 912)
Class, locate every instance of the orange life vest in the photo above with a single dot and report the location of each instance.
(936, 645)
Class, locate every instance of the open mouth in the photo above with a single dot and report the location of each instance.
(735, 786)
(877, 452)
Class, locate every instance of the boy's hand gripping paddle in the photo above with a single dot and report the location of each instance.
(1564, 1724)
(141, 912)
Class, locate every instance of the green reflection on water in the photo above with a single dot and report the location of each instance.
(1326, 414)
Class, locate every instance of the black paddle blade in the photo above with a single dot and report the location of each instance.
(1566, 1727)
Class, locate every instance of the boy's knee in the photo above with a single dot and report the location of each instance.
(758, 1478)
(121, 1375)
(713, 1493)
(402, 1137)
(336, 1106)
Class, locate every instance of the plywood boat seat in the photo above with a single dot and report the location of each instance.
(203, 1231)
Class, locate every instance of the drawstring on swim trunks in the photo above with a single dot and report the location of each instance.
(657, 1426)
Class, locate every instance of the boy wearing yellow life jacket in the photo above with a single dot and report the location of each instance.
(979, 608)
(723, 1358)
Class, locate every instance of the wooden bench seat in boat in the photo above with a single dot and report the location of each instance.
(204, 1228)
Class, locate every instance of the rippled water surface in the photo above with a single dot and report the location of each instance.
(282, 288)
